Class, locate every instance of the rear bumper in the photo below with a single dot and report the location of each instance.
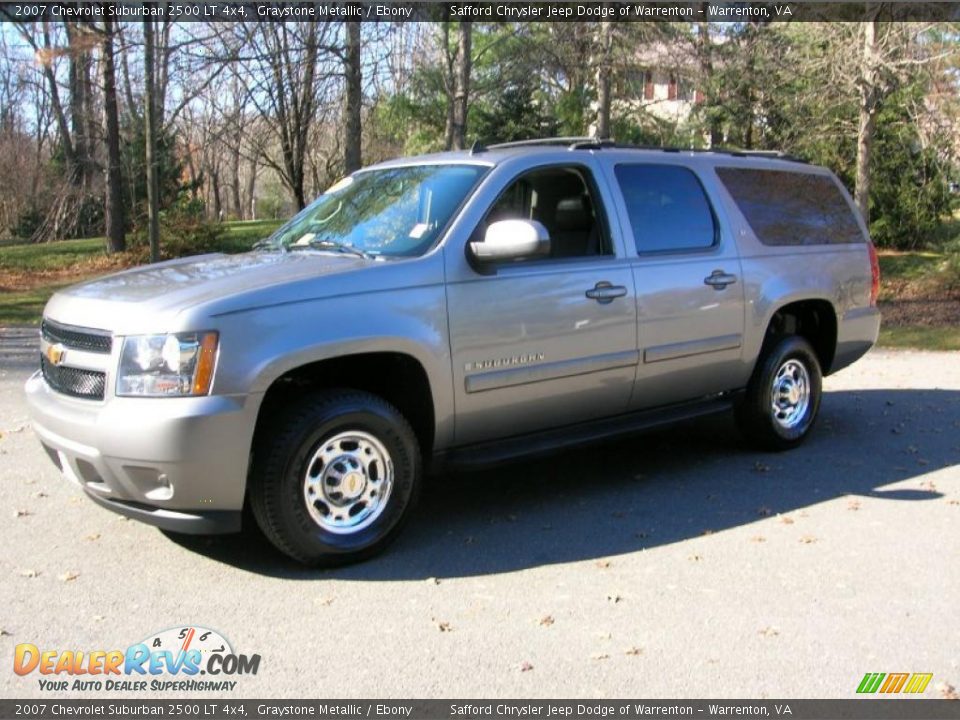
(857, 333)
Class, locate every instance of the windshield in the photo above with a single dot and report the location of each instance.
(395, 211)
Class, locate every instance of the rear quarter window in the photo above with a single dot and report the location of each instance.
(791, 208)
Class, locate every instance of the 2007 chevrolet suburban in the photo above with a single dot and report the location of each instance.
(453, 308)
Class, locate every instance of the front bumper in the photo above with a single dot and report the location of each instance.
(177, 463)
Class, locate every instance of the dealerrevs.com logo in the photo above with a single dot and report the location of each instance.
(179, 659)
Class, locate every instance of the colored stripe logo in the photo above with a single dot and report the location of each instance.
(913, 683)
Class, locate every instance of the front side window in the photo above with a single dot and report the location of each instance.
(392, 212)
(667, 207)
(562, 199)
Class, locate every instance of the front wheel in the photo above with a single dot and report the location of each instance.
(334, 476)
(783, 396)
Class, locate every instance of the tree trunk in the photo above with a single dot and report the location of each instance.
(461, 94)
(448, 81)
(252, 188)
(235, 180)
(869, 97)
(150, 136)
(603, 78)
(353, 98)
(113, 210)
(705, 50)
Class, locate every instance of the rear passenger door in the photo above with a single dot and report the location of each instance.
(690, 294)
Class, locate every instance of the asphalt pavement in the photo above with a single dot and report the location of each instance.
(678, 564)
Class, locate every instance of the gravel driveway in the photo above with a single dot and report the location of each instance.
(675, 564)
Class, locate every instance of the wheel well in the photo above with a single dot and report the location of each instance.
(397, 378)
(814, 320)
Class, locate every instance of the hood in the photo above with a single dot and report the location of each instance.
(165, 289)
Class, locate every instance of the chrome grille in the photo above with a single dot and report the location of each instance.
(95, 341)
(88, 384)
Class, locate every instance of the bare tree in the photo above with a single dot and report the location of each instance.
(603, 72)
(353, 98)
(113, 206)
(150, 141)
(461, 92)
(283, 86)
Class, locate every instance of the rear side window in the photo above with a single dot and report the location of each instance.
(788, 208)
(667, 207)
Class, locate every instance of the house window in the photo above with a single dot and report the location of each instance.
(648, 85)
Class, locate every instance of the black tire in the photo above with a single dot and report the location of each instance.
(289, 445)
(755, 414)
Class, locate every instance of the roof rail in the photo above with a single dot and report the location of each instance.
(571, 140)
(595, 143)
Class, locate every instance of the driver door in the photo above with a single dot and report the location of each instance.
(544, 342)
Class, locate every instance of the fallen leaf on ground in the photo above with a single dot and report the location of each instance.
(808, 539)
(93, 536)
(526, 667)
(599, 656)
(633, 651)
(547, 620)
(69, 576)
(769, 632)
(786, 520)
(4, 633)
(21, 513)
(443, 625)
(28, 573)
(614, 599)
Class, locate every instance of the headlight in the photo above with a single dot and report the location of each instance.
(167, 365)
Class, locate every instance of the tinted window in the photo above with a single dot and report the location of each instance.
(787, 208)
(667, 207)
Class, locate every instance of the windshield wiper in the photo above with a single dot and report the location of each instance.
(337, 247)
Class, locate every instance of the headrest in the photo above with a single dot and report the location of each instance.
(573, 213)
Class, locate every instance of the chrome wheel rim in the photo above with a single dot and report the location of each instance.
(791, 394)
(347, 482)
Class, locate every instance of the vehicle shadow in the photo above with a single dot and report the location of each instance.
(644, 491)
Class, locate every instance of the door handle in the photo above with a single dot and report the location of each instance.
(718, 279)
(604, 292)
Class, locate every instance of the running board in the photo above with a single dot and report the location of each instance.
(547, 441)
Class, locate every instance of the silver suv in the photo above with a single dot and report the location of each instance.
(453, 309)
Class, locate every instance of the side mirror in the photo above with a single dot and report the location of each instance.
(512, 240)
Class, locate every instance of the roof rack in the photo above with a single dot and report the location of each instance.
(571, 140)
(595, 143)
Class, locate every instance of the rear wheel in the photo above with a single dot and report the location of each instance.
(334, 477)
(783, 396)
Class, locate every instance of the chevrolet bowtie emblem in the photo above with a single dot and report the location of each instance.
(56, 353)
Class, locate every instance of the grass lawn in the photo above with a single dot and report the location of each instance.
(30, 274)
